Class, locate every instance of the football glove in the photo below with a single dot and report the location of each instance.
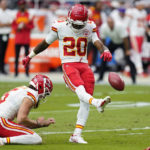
(106, 55)
(26, 61)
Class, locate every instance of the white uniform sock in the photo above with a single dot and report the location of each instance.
(81, 117)
(85, 100)
(83, 112)
(84, 96)
(23, 139)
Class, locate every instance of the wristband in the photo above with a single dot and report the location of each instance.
(106, 50)
(32, 54)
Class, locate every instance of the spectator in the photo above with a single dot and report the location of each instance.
(22, 26)
(137, 21)
(51, 14)
(146, 46)
(119, 39)
(98, 16)
(119, 16)
(5, 29)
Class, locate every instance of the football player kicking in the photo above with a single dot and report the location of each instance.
(73, 35)
(18, 103)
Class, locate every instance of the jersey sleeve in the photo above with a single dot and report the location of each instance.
(94, 37)
(94, 32)
(33, 97)
(53, 34)
(94, 28)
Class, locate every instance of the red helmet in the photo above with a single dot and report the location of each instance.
(78, 14)
(42, 84)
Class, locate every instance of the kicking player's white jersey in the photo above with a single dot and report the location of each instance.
(72, 45)
(10, 102)
(137, 21)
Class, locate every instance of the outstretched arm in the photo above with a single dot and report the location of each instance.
(100, 46)
(104, 51)
(39, 48)
(51, 37)
(22, 116)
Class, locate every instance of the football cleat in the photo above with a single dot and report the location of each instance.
(101, 104)
(1, 142)
(77, 139)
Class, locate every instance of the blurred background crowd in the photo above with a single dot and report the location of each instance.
(123, 25)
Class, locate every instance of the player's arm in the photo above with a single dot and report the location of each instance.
(22, 116)
(104, 51)
(100, 46)
(51, 37)
(39, 48)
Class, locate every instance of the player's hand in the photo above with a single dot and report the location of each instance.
(26, 61)
(45, 123)
(106, 55)
(147, 148)
(51, 121)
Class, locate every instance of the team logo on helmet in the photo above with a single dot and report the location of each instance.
(42, 84)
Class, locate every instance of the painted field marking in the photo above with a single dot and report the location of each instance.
(101, 130)
(119, 104)
(131, 134)
(111, 106)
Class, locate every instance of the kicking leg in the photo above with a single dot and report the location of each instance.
(87, 98)
(78, 84)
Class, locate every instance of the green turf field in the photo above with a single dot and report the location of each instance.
(125, 124)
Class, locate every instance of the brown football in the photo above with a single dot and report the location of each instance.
(115, 81)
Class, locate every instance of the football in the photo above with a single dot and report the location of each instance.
(115, 81)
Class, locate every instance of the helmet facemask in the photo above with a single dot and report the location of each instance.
(44, 95)
(43, 85)
(77, 17)
(77, 25)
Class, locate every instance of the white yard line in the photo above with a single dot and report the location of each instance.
(131, 134)
(112, 106)
(54, 111)
(101, 130)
